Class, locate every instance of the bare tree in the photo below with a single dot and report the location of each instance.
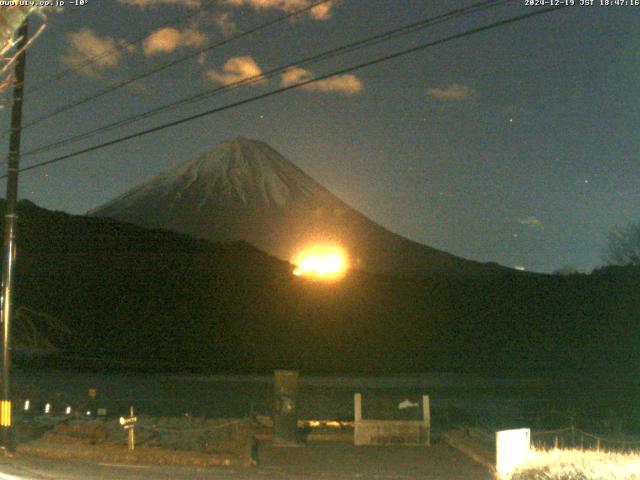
(624, 246)
(566, 271)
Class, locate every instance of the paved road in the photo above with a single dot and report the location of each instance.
(323, 461)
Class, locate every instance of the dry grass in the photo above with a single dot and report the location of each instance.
(144, 455)
(579, 465)
(105, 440)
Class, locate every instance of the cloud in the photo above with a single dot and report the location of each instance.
(235, 70)
(155, 3)
(319, 12)
(168, 39)
(347, 84)
(104, 52)
(531, 221)
(225, 23)
(295, 75)
(455, 92)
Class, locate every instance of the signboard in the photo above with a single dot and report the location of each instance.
(129, 423)
(512, 448)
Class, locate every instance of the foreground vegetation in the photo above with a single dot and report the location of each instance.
(559, 464)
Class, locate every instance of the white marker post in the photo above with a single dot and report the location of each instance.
(512, 448)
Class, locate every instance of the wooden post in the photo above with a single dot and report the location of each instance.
(132, 435)
(357, 402)
(555, 442)
(426, 409)
(426, 417)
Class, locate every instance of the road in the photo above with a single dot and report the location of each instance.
(322, 460)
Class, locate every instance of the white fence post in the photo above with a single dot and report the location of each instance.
(426, 417)
(357, 402)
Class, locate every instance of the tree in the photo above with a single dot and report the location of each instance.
(566, 271)
(624, 246)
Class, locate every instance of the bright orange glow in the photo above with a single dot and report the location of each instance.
(325, 263)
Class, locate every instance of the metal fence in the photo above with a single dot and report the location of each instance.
(573, 437)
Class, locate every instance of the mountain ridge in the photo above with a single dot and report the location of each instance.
(243, 189)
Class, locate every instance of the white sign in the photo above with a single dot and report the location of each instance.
(512, 448)
(125, 421)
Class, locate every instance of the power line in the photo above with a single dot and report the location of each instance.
(367, 42)
(359, 66)
(116, 86)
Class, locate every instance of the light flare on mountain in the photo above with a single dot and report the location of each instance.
(324, 263)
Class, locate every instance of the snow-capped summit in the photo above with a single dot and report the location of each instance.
(236, 172)
(244, 190)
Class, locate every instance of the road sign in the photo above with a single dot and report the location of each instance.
(129, 423)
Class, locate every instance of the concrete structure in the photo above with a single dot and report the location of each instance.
(392, 432)
(285, 415)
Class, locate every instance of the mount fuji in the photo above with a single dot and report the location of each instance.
(245, 190)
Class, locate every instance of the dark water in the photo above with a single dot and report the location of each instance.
(454, 398)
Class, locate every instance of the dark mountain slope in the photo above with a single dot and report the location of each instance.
(130, 293)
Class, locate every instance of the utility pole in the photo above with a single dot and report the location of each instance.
(9, 248)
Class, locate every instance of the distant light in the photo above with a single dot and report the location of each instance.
(88, 413)
(325, 263)
(47, 408)
(520, 268)
(68, 411)
(27, 405)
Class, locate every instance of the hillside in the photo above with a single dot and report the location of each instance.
(130, 293)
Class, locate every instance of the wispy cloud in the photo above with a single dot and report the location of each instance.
(225, 23)
(295, 75)
(347, 84)
(531, 221)
(322, 12)
(168, 39)
(104, 52)
(235, 70)
(319, 12)
(455, 92)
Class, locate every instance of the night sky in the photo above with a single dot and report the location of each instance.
(517, 145)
